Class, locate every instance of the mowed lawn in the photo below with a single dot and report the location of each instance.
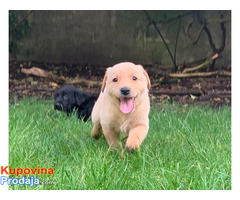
(188, 147)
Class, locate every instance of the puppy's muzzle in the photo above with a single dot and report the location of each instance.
(58, 106)
(125, 91)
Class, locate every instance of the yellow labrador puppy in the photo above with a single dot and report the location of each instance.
(123, 105)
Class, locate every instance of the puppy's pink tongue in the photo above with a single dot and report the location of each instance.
(126, 105)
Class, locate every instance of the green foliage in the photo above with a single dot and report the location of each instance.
(186, 148)
(18, 28)
(164, 16)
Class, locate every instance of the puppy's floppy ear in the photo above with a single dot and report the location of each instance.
(80, 98)
(104, 82)
(105, 79)
(147, 77)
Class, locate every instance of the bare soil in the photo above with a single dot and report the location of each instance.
(214, 90)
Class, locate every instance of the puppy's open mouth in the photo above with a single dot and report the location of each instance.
(126, 104)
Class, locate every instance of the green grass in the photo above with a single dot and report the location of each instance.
(188, 147)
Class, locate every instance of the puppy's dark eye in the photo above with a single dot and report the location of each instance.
(134, 78)
(65, 96)
(115, 80)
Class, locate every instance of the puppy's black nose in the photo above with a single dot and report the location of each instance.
(57, 106)
(125, 90)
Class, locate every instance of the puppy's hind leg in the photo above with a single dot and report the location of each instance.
(96, 131)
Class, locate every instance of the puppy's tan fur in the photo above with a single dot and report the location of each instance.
(107, 116)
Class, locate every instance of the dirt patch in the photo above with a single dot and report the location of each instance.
(215, 90)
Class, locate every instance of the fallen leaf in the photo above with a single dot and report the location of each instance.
(34, 82)
(217, 99)
(25, 92)
(30, 79)
(192, 97)
(54, 85)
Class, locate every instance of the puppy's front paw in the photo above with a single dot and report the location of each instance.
(132, 144)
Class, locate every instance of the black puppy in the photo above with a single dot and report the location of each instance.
(69, 98)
